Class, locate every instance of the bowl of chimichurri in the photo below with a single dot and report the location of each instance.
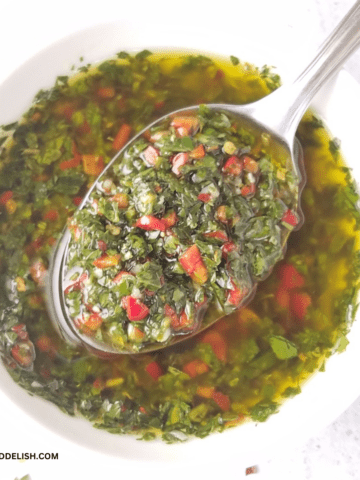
(257, 375)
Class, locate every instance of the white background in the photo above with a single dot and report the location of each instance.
(297, 26)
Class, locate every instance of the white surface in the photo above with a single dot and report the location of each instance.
(30, 26)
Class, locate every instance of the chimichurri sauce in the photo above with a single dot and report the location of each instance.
(187, 221)
(241, 368)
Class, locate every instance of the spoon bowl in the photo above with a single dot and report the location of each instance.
(276, 116)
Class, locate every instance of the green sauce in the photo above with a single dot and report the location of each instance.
(241, 368)
(185, 222)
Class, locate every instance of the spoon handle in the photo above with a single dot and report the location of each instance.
(283, 109)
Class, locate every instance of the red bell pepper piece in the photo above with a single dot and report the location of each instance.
(135, 309)
(250, 165)
(148, 222)
(205, 391)
(236, 294)
(185, 125)
(119, 276)
(299, 304)
(106, 261)
(121, 137)
(150, 155)
(92, 164)
(217, 342)
(23, 354)
(101, 245)
(4, 197)
(170, 220)
(289, 277)
(197, 152)
(221, 214)
(282, 297)
(218, 235)
(78, 284)
(44, 343)
(289, 219)
(92, 323)
(154, 370)
(204, 197)
(20, 330)
(121, 199)
(38, 272)
(223, 401)
(159, 105)
(106, 92)
(51, 215)
(72, 163)
(178, 162)
(233, 166)
(195, 367)
(193, 264)
(227, 248)
(248, 190)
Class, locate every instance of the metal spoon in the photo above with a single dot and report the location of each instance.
(277, 115)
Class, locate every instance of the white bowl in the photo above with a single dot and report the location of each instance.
(338, 104)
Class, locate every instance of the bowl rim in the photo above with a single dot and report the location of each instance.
(328, 103)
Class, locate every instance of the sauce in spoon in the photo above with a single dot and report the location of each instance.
(281, 130)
